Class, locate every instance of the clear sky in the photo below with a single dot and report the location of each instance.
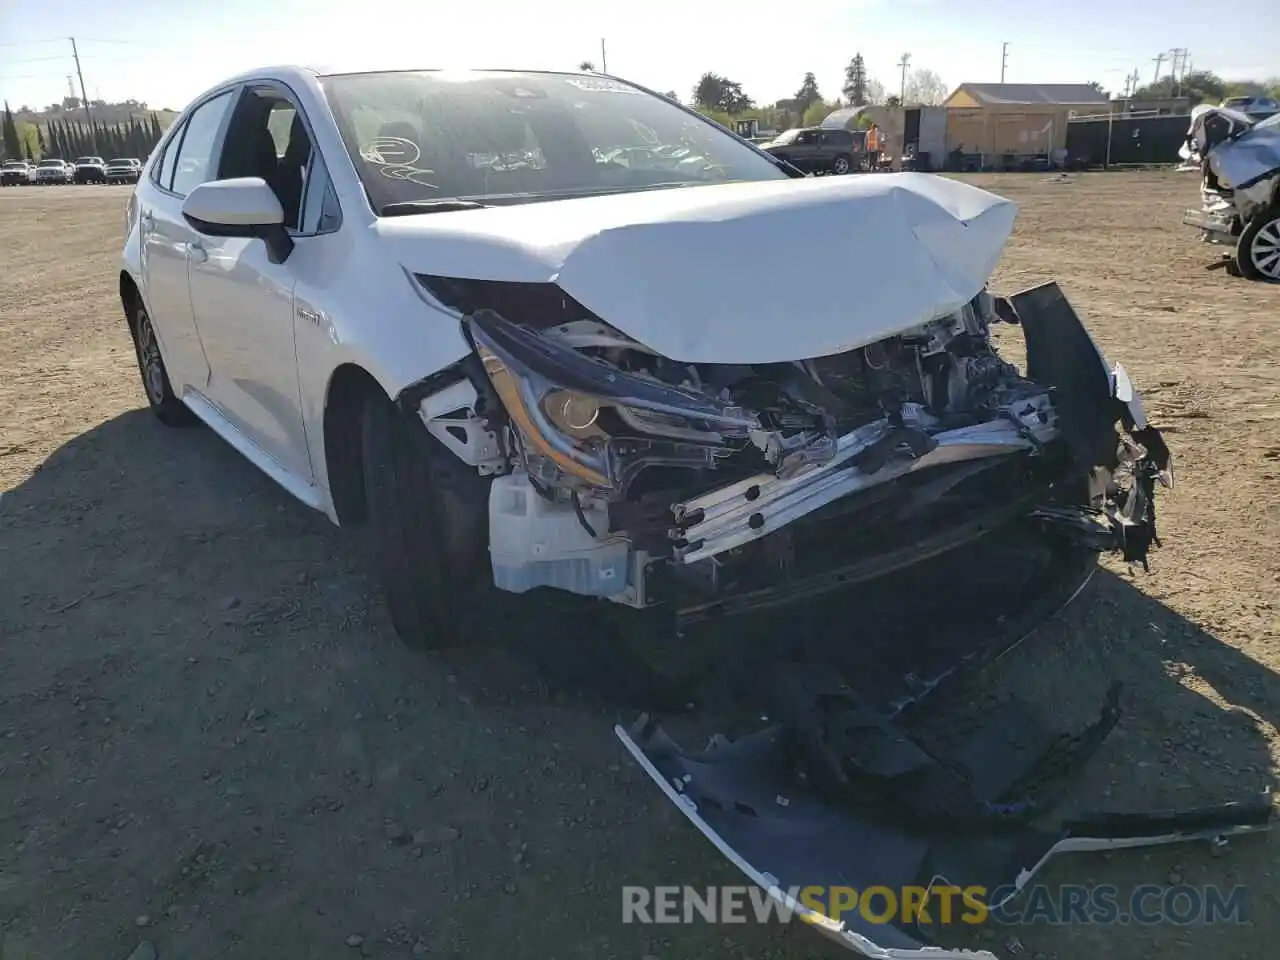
(165, 53)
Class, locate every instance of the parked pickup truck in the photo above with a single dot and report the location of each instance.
(15, 173)
(123, 170)
(91, 170)
(54, 171)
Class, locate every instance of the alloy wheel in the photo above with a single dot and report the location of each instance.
(1264, 252)
(149, 359)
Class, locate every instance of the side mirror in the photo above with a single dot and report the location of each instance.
(241, 207)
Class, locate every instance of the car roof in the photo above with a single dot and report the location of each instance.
(308, 72)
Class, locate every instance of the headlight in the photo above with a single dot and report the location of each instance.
(558, 398)
(584, 458)
(573, 413)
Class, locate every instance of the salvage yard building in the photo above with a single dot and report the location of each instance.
(1006, 125)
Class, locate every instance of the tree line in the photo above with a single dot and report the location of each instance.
(724, 100)
(1205, 86)
(68, 139)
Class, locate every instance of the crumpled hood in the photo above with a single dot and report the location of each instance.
(1250, 152)
(736, 273)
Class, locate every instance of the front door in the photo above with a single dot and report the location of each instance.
(804, 151)
(244, 303)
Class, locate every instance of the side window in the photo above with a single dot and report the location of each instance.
(194, 164)
(267, 138)
(164, 169)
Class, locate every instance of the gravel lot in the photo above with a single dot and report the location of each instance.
(211, 741)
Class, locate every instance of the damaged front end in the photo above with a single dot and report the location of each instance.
(1239, 160)
(698, 489)
(713, 488)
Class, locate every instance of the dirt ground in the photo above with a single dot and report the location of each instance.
(211, 741)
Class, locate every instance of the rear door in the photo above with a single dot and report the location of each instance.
(166, 239)
(836, 143)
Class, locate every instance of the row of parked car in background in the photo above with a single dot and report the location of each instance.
(15, 173)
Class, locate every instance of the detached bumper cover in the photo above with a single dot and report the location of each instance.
(785, 836)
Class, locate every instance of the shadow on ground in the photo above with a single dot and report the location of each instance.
(212, 740)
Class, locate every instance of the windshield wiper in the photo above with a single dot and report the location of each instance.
(407, 208)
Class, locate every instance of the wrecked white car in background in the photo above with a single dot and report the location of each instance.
(444, 311)
(1239, 158)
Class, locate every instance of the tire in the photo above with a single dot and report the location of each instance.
(428, 531)
(1258, 248)
(164, 403)
(841, 164)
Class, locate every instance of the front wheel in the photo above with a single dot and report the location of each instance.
(841, 165)
(164, 403)
(428, 531)
(1258, 248)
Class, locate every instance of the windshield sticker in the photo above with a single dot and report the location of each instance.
(599, 85)
(646, 133)
(396, 159)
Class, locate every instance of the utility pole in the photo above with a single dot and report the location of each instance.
(84, 97)
(1004, 59)
(1159, 59)
(604, 61)
(902, 93)
(1179, 55)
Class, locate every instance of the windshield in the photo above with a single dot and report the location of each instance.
(787, 136)
(120, 163)
(52, 163)
(512, 137)
(15, 163)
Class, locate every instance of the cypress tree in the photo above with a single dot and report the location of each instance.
(12, 142)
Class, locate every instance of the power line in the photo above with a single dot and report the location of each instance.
(32, 43)
(33, 59)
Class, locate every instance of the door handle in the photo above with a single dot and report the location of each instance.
(197, 251)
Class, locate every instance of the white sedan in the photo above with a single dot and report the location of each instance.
(431, 304)
(436, 305)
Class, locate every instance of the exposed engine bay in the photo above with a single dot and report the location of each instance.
(621, 473)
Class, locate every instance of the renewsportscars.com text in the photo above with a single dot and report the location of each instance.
(1101, 904)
